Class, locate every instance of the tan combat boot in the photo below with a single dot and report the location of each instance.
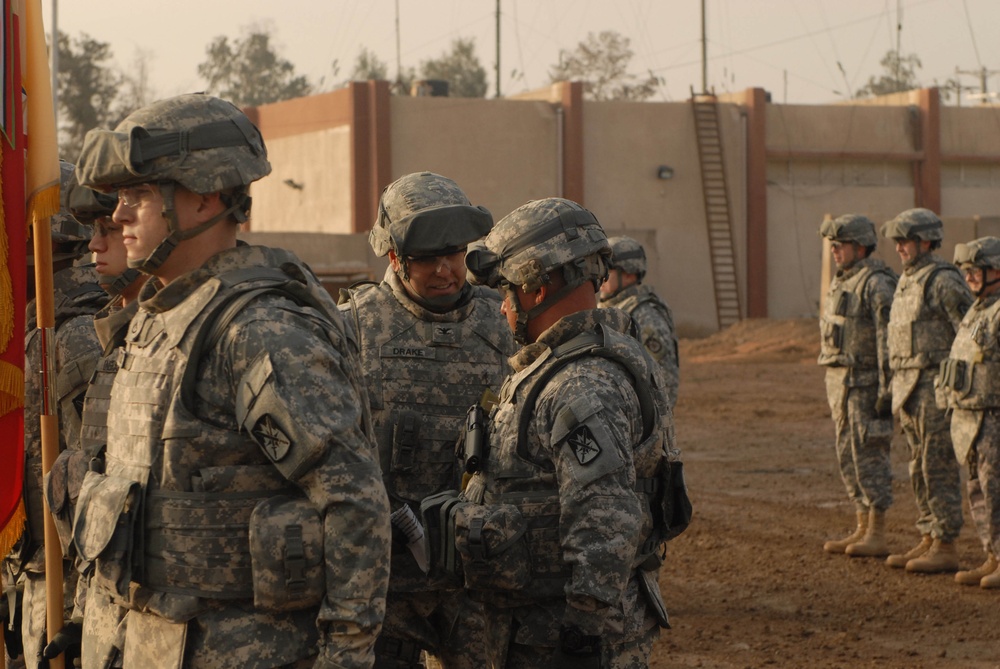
(941, 557)
(991, 581)
(974, 576)
(899, 560)
(840, 545)
(873, 543)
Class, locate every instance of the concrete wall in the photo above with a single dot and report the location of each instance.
(876, 158)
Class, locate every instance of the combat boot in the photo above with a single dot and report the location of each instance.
(840, 545)
(873, 543)
(975, 576)
(941, 557)
(991, 581)
(899, 560)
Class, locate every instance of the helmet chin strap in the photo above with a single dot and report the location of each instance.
(523, 317)
(115, 286)
(986, 284)
(175, 235)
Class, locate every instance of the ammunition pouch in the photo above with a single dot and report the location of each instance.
(104, 529)
(439, 527)
(954, 374)
(62, 490)
(405, 441)
(491, 542)
(675, 503)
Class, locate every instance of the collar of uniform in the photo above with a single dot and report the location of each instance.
(463, 308)
(920, 263)
(621, 295)
(568, 327)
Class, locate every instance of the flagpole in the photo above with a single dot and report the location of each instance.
(41, 207)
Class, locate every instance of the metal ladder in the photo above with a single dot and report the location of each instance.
(717, 211)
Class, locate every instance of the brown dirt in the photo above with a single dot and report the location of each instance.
(748, 585)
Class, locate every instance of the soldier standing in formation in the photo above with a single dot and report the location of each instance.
(431, 345)
(854, 350)
(653, 318)
(238, 406)
(928, 306)
(575, 435)
(971, 379)
(77, 296)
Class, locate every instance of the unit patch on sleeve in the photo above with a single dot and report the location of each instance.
(585, 447)
(271, 438)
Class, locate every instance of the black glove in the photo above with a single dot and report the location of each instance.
(883, 406)
(66, 640)
(577, 650)
(11, 629)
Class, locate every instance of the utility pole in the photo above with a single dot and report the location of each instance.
(498, 48)
(704, 52)
(399, 65)
(983, 75)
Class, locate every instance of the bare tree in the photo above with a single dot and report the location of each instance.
(88, 86)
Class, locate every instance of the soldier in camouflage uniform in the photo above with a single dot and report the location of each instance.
(77, 296)
(558, 537)
(238, 425)
(653, 318)
(854, 350)
(970, 378)
(928, 306)
(431, 345)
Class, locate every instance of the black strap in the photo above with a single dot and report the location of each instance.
(236, 131)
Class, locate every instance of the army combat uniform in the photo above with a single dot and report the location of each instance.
(424, 369)
(238, 406)
(77, 296)
(655, 326)
(854, 349)
(928, 306)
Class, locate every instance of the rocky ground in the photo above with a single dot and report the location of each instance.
(748, 585)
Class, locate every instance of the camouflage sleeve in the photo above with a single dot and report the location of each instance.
(655, 324)
(949, 292)
(878, 296)
(315, 380)
(77, 352)
(588, 418)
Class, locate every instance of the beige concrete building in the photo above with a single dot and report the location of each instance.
(721, 191)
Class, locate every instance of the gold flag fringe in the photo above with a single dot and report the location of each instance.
(12, 530)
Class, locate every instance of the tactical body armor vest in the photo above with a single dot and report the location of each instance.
(423, 371)
(971, 373)
(847, 328)
(514, 477)
(111, 331)
(77, 296)
(170, 476)
(919, 337)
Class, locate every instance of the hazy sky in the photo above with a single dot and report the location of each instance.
(802, 51)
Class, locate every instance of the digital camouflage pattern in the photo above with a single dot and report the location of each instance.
(852, 228)
(628, 255)
(916, 223)
(929, 303)
(654, 322)
(973, 394)
(426, 214)
(223, 149)
(275, 407)
(578, 474)
(424, 369)
(854, 348)
(76, 298)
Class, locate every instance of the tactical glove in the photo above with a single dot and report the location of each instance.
(66, 640)
(577, 650)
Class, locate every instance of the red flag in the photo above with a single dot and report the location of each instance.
(13, 273)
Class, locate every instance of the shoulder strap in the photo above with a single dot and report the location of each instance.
(587, 343)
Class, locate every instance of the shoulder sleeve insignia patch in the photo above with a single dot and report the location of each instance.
(271, 438)
(585, 447)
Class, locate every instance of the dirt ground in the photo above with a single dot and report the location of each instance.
(748, 585)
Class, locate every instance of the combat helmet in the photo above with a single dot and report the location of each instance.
(983, 253)
(920, 224)
(628, 255)
(201, 142)
(532, 241)
(93, 209)
(426, 214)
(69, 236)
(852, 228)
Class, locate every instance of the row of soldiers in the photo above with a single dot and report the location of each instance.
(253, 475)
(924, 346)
